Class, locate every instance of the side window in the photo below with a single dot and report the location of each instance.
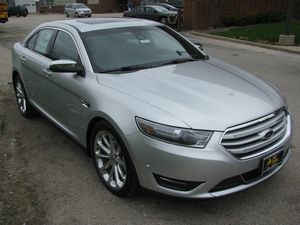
(42, 42)
(64, 47)
(140, 9)
(30, 43)
(150, 10)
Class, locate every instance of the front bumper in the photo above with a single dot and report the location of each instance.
(206, 167)
(82, 14)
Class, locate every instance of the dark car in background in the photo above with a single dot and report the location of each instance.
(18, 11)
(153, 12)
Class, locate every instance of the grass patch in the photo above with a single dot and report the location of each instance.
(265, 33)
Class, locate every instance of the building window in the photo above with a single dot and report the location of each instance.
(93, 2)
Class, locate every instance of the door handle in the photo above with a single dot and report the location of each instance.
(47, 72)
(23, 59)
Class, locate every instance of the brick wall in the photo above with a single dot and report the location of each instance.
(202, 14)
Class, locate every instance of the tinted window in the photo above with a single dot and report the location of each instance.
(30, 43)
(42, 42)
(64, 47)
(139, 9)
(150, 10)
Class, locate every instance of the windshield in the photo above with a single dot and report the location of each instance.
(160, 8)
(148, 46)
(80, 6)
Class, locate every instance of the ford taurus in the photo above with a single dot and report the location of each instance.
(151, 108)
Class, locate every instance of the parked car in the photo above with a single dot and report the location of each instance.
(17, 11)
(77, 10)
(153, 12)
(151, 108)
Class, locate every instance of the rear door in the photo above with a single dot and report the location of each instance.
(151, 14)
(139, 12)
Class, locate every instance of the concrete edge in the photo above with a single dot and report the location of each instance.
(273, 47)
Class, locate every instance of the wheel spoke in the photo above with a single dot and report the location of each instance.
(107, 165)
(121, 173)
(118, 181)
(111, 173)
(112, 142)
(24, 105)
(99, 155)
(105, 149)
(120, 162)
(106, 142)
(19, 89)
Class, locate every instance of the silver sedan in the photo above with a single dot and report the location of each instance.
(151, 108)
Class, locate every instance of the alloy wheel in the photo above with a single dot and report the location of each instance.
(110, 160)
(21, 98)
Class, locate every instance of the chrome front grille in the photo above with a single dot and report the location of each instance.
(256, 136)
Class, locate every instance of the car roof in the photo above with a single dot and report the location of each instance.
(86, 25)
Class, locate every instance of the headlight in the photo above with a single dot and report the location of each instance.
(176, 135)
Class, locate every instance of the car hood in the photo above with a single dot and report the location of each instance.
(209, 95)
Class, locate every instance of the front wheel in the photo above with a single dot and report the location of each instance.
(76, 14)
(67, 14)
(163, 20)
(24, 105)
(112, 161)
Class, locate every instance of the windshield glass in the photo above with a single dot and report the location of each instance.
(80, 6)
(151, 46)
(160, 8)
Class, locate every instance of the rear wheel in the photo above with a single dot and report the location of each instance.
(24, 105)
(67, 14)
(18, 14)
(112, 161)
(76, 14)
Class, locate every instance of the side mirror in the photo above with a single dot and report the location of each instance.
(67, 66)
(199, 45)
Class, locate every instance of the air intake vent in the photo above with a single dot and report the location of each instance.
(175, 184)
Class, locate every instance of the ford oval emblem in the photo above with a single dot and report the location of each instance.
(267, 134)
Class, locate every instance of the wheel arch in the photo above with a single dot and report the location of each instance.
(104, 117)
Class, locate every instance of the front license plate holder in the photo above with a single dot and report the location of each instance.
(271, 161)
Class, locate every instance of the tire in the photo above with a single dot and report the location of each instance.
(76, 14)
(89, 15)
(112, 161)
(67, 14)
(18, 14)
(24, 15)
(26, 109)
(163, 20)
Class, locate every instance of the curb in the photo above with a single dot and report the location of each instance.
(273, 47)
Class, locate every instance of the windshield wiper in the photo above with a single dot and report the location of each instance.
(142, 67)
(177, 61)
(126, 69)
